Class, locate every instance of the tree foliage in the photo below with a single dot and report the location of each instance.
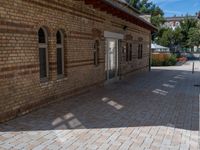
(185, 36)
(169, 38)
(193, 37)
(188, 25)
(147, 7)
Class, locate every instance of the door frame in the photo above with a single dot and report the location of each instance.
(116, 61)
(112, 36)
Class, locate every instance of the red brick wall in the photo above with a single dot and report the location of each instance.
(20, 86)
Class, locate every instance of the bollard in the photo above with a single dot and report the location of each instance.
(193, 68)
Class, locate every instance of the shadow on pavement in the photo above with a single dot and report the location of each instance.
(158, 98)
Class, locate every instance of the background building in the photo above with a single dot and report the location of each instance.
(174, 22)
(159, 49)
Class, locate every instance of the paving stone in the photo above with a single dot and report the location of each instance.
(152, 115)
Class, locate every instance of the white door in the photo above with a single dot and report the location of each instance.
(112, 59)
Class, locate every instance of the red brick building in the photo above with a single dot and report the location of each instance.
(53, 49)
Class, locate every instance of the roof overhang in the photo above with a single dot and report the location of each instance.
(114, 9)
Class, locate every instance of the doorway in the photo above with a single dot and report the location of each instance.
(111, 59)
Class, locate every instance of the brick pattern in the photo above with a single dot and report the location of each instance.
(20, 86)
(155, 111)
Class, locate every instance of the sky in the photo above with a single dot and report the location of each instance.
(178, 7)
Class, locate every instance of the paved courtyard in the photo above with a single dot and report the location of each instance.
(156, 110)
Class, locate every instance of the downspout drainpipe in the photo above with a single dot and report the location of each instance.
(150, 52)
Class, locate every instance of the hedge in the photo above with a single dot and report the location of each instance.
(163, 60)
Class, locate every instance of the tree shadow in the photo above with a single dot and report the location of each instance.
(158, 98)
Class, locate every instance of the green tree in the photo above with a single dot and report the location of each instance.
(170, 38)
(164, 37)
(185, 26)
(147, 7)
(157, 20)
(134, 3)
(177, 36)
(185, 36)
(193, 37)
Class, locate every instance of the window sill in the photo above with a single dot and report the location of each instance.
(61, 78)
(129, 62)
(44, 80)
(97, 66)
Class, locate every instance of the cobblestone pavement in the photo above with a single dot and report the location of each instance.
(156, 110)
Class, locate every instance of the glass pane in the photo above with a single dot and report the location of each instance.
(130, 55)
(96, 52)
(41, 36)
(59, 61)
(139, 51)
(112, 59)
(59, 38)
(43, 67)
(96, 45)
(95, 58)
(127, 50)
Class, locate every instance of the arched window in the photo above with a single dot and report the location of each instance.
(43, 57)
(60, 53)
(96, 52)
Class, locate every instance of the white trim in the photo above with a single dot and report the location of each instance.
(116, 60)
(114, 35)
